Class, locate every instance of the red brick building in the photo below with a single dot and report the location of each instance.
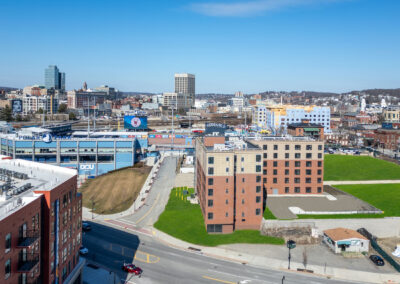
(387, 138)
(40, 220)
(234, 177)
(307, 129)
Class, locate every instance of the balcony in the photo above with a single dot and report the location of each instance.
(28, 240)
(27, 264)
(29, 280)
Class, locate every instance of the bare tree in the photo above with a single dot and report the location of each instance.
(305, 258)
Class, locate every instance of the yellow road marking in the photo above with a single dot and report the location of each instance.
(219, 280)
(149, 258)
(148, 212)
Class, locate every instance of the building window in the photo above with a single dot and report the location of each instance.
(210, 171)
(227, 159)
(275, 172)
(265, 147)
(8, 242)
(286, 189)
(242, 201)
(319, 172)
(210, 192)
(297, 189)
(275, 180)
(264, 172)
(297, 163)
(243, 180)
(319, 155)
(258, 211)
(319, 189)
(226, 190)
(286, 163)
(309, 147)
(242, 159)
(258, 158)
(275, 163)
(210, 203)
(287, 147)
(319, 164)
(258, 188)
(275, 147)
(286, 171)
(226, 201)
(308, 180)
(242, 215)
(308, 163)
(265, 163)
(258, 178)
(308, 155)
(7, 268)
(297, 147)
(258, 168)
(265, 155)
(275, 155)
(264, 180)
(227, 170)
(258, 199)
(286, 180)
(308, 189)
(226, 214)
(308, 172)
(297, 155)
(227, 180)
(296, 180)
(297, 172)
(210, 181)
(242, 169)
(210, 216)
(319, 180)
(286, 155)
(319, 147)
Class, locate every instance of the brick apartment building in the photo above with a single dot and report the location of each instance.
(40, 220)
(234, 177)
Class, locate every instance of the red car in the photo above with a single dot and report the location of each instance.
(131, 268)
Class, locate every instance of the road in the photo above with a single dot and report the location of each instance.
(110, 247)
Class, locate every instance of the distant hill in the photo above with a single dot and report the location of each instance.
(7, 89)
(376, 92)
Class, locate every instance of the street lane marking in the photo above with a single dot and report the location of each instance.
(219, 280)
(148, 212)
(146, 257)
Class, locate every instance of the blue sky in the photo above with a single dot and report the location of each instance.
(252, 46)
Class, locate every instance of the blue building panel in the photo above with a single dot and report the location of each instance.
(68, 144)
(23, 144)
(4, 141)
(10, 142)
(87, 144)
(40, 144)
(124, 144)
(105, 144)
(104, 168)
(124, 160)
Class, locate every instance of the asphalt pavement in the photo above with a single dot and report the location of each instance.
(111, 247)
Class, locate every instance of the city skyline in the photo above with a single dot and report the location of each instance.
(253, 46)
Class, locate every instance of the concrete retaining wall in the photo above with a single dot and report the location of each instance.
(380, 227)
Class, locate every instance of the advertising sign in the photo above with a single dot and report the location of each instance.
(212, 127)
(135, 122)
(16, 106)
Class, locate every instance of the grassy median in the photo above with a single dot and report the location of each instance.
(343, 167)
(184, 221)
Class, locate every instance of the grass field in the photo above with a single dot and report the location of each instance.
(268, 214)
(385, 197)
(184, 221)
(114, 192)
(342, 167)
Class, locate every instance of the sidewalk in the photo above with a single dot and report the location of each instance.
(272, 263)
(387, 181)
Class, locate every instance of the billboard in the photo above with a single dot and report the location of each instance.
(219, 128)
(135, 122)
(16, 106)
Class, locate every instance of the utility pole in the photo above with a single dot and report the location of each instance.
(88, 117)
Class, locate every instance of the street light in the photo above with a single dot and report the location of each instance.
(291, 245)
(93, 203)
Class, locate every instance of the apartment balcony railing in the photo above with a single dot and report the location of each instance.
(29, 239)
(28, 263)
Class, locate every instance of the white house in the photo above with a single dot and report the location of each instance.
(345, 240)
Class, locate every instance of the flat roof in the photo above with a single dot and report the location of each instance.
(20, 178)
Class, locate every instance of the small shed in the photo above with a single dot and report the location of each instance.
(345, 240)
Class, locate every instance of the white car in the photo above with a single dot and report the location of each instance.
(83, 251)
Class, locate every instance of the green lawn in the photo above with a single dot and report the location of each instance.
(385, 197)
(184, 221)
(342, 167)
(268, 214)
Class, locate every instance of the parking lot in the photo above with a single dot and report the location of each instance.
(338, 201)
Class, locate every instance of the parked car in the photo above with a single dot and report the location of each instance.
(377, 260)
(83, 250)
(131, 268)
(86, 226)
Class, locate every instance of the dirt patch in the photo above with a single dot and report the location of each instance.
(114, 192)
(301, 235)
(389, 245)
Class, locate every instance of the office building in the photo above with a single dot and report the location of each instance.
(53, 78)
(85, 99)
(32, 104)
(174, 100)
(391, 114)
(235, 176)
(40, 220)
(278, 117)
(185, 84)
